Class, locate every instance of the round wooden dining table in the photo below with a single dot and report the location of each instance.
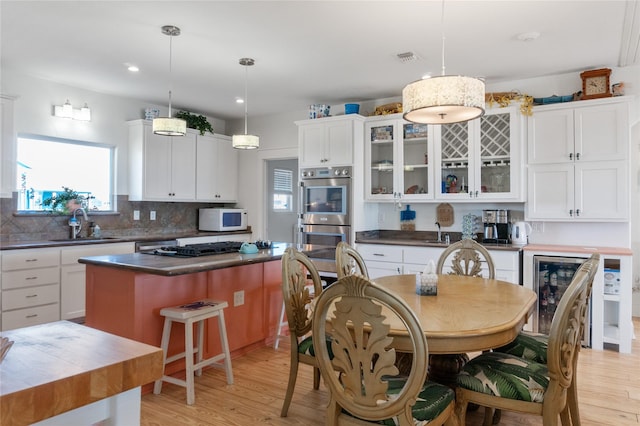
(468, 314)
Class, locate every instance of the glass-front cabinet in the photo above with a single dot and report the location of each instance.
(480, 159)
(398, 155)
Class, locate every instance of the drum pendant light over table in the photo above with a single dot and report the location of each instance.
(169, 126)
(245, 141)
(445, 99)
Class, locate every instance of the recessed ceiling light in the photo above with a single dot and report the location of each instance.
(530, 36)
(132, 68)
(239, 100)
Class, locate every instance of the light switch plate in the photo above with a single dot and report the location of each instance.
(136, 215)
(152, 215)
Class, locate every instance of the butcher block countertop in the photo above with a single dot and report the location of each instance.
(57, 367)
(170, 265)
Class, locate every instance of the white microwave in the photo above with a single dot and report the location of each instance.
(222, 220)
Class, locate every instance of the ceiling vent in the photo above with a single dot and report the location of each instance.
(407, 57)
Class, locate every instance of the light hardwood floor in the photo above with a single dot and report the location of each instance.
(608, 386)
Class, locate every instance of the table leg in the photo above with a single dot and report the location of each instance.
(443, 369)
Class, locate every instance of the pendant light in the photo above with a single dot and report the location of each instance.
(245, 141)
(444, 99)
(169, 126)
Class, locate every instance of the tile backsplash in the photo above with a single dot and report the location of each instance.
(171, 218)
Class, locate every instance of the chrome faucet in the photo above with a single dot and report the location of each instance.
(439, 233)
(76, 224)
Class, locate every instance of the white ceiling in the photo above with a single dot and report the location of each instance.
(306, 51)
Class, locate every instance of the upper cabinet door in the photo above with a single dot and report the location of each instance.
(551, 136)
(480, 160)
(326, 142)
(601, 132)
(381, 160)
(216, 169)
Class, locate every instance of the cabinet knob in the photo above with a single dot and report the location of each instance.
(577, 156)
(571, 156)
(571, 212)
(577, 212)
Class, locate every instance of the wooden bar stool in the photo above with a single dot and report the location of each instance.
(196, 312)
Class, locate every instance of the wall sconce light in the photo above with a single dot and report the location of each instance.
(68, 111)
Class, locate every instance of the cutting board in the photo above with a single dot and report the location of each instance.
(444, 214)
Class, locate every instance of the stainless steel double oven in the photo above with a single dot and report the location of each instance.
(325, 205)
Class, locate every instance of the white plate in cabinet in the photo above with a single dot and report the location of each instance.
(30, 316)
(26, 259)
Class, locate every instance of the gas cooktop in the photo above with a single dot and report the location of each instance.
(204, 249)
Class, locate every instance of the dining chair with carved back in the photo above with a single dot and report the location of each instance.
(300, 284)
(507, 382)
(466, 257)
(533, 346)
(349, 261)
(363, 381)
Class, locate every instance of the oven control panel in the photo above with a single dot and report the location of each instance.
(325, 172)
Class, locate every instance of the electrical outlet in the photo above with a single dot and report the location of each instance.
(152, 215)
(238, 298)
(136, 215)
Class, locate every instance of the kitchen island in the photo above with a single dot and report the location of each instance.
(126, 292)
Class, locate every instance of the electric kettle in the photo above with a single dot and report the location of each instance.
(520, 233)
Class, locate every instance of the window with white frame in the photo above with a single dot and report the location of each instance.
(48, 167)
(282, 190)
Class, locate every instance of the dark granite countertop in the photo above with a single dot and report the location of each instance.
(419, 239)
(170, 265)
(14, 245)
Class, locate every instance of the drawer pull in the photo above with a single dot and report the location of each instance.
(31, 295)
(31, 278)
(31, 316)
(31, 260)
(378, 254)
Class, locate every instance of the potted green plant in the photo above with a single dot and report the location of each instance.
(66, 201)
(198, 122)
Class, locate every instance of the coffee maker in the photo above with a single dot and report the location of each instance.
(496, 226)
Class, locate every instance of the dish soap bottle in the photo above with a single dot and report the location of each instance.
(408, 219)
(97, 232)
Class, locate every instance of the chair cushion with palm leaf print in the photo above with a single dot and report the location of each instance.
(506, 376)
(432, 400)
(531, 346)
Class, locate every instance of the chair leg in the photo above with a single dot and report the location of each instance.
(572, 402)
(293, 375)
(460, 411)
(488, 416)
(200, 331)
(316, 378)
(164, 344)
(222, 328)
(188, 356)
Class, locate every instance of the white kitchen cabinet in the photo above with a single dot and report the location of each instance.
(481, 159)
(579, 131)
(30, 287)
(72, 274)
(383, 259)
(327, 142)
(397, 160)
(579, 162)
(216, 169)
(161, 168)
